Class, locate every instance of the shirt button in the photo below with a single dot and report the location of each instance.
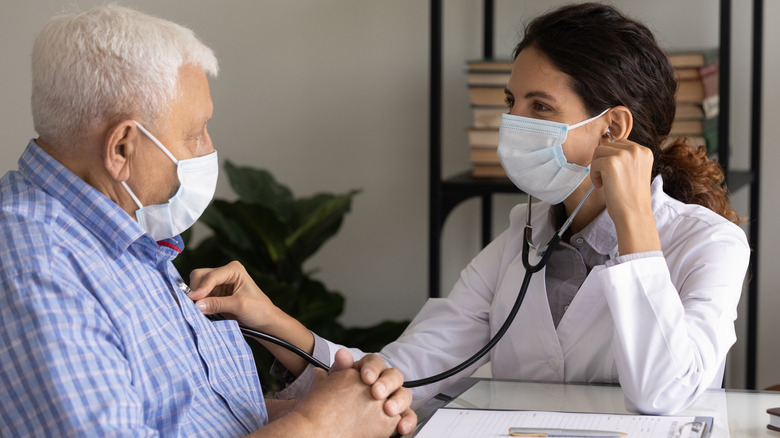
(554, 364)
(579, 240)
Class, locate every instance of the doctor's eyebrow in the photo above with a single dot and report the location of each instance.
(540, 94)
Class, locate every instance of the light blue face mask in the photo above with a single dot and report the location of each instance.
(197, 183)
(531, 153)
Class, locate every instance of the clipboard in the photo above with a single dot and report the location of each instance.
(701, 427)
(460, 422)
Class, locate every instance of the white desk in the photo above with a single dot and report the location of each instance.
(736, 413)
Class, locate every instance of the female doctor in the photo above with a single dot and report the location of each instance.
(643, 288)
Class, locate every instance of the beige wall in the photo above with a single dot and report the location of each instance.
(333, 95)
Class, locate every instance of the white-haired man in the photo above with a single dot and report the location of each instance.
(97, 334)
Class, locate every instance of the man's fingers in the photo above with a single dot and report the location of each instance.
(388, 382)
(399, 402)
(407, 423)
(371, 367)
(342, 361)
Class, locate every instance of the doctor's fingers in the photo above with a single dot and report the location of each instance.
(221, 281)
(619, 161)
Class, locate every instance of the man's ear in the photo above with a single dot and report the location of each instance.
(621, 121)
(118, 149)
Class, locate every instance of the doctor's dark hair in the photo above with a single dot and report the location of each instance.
(614, 60)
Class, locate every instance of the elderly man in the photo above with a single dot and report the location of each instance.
(97, 334)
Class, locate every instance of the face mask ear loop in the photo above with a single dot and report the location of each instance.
(157, 142)
(585, 122)
(132, 195)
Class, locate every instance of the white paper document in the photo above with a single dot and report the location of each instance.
(471, 423)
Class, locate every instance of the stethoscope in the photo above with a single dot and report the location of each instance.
(530, 269)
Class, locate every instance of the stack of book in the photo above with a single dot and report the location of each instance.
(486, 80)
(697, 74)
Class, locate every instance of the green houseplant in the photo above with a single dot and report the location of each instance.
(272, 234)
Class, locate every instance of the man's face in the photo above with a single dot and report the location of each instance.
(183, 131)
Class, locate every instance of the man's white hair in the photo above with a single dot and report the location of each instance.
(107, 64)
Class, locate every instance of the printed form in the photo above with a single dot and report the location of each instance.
(470, 423)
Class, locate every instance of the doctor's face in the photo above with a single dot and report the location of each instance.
(538, 90)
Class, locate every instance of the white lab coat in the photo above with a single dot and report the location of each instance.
(660, 326)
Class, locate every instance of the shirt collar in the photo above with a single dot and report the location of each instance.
(102, 216)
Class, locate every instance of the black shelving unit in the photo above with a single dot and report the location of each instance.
(446, 194)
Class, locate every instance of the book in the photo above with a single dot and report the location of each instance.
(490, 65)
(484, 137)
(683, 127)
(487, 95)
(686, 73)
(487, 116)
(480, 155)
(697, 73)
(774, 419)
(690, 91)
(698, 132)
(495, 78)
(710, 106)
(487, 171)
(692, 58)
(689, 111)
(701, 87)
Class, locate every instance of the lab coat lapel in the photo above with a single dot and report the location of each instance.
(584, 334)
(530, 349)
(588, 305)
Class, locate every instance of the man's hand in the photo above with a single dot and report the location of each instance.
(386, 384)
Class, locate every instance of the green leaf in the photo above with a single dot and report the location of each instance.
(320, 219)
(218, 217)
(260, 187)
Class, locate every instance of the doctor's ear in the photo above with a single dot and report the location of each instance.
(118, 148)
(620, 122)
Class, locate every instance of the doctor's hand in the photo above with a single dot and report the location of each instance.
(624, 169)
(231, 292)
(386, 384)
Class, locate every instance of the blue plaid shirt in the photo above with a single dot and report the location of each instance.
(96, 339)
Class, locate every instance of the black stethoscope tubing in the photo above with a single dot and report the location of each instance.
(530, 269)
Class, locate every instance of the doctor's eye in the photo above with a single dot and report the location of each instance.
(509, 100)
(540, 107)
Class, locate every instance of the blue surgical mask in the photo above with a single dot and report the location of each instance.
(531, 153)
(197, 183)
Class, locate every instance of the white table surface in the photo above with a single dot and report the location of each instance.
(736, 413)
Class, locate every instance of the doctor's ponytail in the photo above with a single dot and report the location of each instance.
(614, 60)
